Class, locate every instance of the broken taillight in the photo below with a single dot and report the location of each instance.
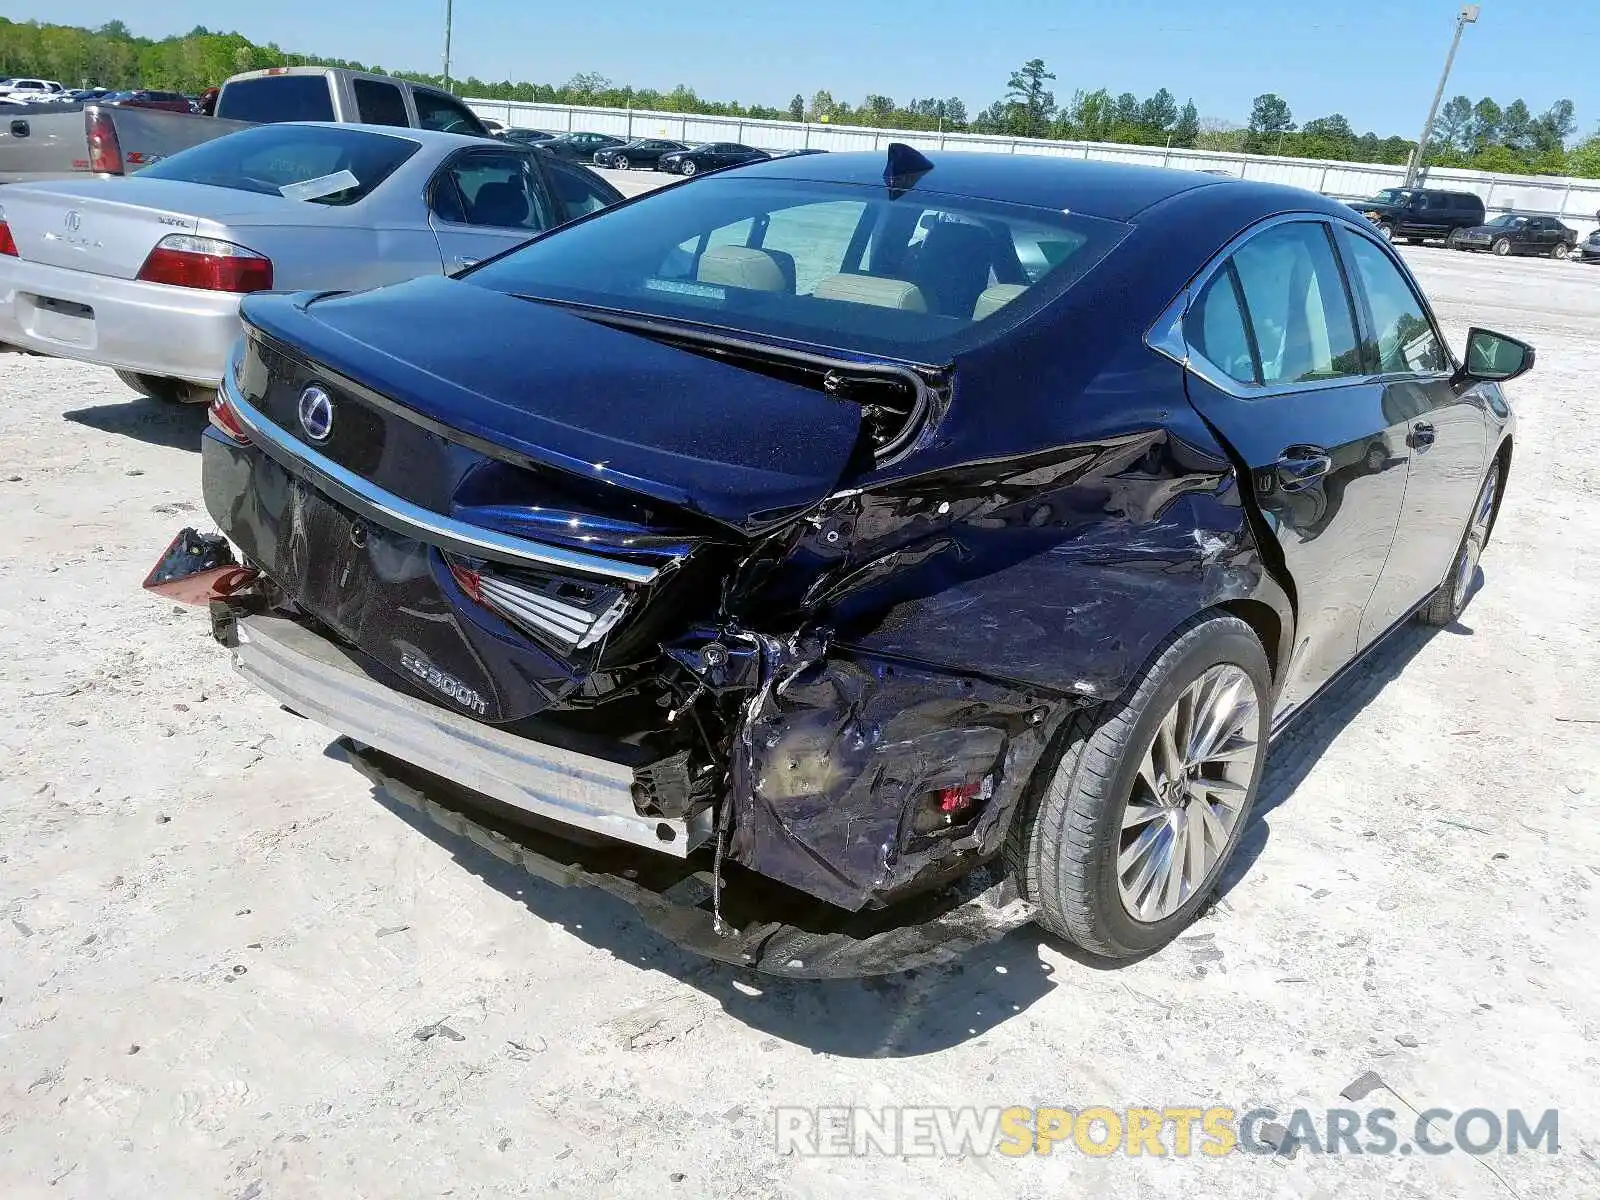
(184, 260)
(8, 244)
(226, 421)
(948, 807)
(105, 153)
(568, 614)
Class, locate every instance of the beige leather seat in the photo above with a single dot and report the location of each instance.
(741, 267)
(995, 298)
(868, 289)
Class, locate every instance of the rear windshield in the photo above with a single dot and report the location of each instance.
(321, 164)
(277, 98)
(910, 275)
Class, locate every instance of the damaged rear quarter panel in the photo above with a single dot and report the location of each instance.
(973, 602)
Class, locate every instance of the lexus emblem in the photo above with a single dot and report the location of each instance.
(74, 221)
(316, 413)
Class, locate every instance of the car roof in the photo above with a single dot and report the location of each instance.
(1117, 191)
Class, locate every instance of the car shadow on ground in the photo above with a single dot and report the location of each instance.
(1304, 742)
(929, 1009)
(154, 422)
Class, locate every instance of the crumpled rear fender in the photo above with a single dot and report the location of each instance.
(967, 612)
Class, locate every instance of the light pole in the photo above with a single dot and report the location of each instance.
(1467, 16)
(450, 15)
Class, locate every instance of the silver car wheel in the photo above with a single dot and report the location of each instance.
(688, 166)
(1477, 538)
(1192, 784)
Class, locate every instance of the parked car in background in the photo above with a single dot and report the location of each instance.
(164, 101)
(641, 152)
(144, 274)
(1518, 233)
(581, 147)
(89, 95)
(709, 157)
(116, 139)
(1589, 250)
(841, 529)
(33, 89)
(1417, 214)
(798, 153)
(527, 136)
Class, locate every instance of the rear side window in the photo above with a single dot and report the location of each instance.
(1214, 327)
(380, 103)
(1297, 305)
(435, 110)
(277, 98)
(318, 164)
(500, 191)
(1406, 342)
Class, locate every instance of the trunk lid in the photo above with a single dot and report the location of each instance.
(109, 226)
(430, 367)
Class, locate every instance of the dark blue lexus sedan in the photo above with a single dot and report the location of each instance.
(848, 557)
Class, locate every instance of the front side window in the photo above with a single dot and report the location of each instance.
(320, 164)
(579, 191)
(1406, 341)
(1298, 308)
(500, 191)
(844, 266)
(438, 111)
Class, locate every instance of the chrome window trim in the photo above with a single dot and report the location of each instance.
(404, 517)
(1165, 336)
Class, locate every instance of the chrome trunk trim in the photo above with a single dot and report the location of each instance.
(360, 495)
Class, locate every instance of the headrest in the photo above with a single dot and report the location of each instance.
(741, 267)
(995, 298)
(869, 289)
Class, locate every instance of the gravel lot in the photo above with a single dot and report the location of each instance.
(221, 952)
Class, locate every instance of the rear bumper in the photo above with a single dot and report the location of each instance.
(145, 328)
(314, 677)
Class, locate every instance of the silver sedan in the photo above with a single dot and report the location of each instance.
(144, 274)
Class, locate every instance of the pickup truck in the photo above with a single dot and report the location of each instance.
(66, 141)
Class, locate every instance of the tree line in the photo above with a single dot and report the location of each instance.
(1482, 135)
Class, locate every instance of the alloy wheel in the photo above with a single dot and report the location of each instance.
(1477, 537)
(1192, 785)
(688, 166)
(622, 163)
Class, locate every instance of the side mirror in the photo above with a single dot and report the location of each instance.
(1495, 358)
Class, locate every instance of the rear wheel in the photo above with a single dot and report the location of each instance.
(1124, 840)
(1502, 246)
(1450, 601)
(171, 391)
(1560, 250)
(1414, 241)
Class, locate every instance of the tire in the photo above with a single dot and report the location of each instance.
(688, 167)
(1414, 241)
(1455, 590)
(169, 391)
(620, 163)
(1386, 230)
(1068, 842)
(1560, 251)
(1502, 246)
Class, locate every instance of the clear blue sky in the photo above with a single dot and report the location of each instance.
(1378, 64)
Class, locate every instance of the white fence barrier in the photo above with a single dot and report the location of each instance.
(1574, 200)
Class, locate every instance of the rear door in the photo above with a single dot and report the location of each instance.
(1445, 442)
(1276, 366)
(484, 201)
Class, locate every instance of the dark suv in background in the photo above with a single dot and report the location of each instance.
(1419, 213)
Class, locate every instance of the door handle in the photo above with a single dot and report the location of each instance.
(1301, 467)
(1421, 435)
